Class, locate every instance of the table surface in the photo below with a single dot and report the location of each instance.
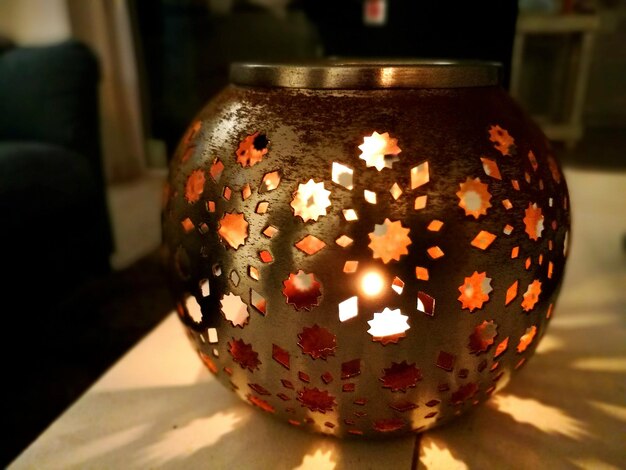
(159, 408)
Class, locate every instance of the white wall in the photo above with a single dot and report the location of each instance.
(34, 21)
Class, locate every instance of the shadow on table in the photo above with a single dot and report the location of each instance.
(564, 410)
(189, 427)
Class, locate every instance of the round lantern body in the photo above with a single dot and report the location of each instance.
(365, 249)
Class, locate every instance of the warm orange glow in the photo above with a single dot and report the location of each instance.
(483, 240)
(421, 273)
(389, 241)
(534, 221)
(511, 293)
(502, 140)
(233, 229)
(474, 197)
(420, 202)
(490, 168)
(252, 149)
(194, 186)
(435, 225)
(531, 296)
(310, 245)
(372, 283)
(475, 291)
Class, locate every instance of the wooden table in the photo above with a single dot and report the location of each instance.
(159, 408)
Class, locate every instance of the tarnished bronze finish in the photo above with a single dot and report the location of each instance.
(355, 74)
(364, 262)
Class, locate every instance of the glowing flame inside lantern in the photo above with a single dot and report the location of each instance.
(372, 283)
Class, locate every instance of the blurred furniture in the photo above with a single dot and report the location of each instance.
(156, 408)
(55, 225)
(567, 125)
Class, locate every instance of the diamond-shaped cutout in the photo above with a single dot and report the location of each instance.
(350, 215)
(483, 240)
(348, 309)
(397, 285)
(258, 302)
(234, 278)
(425, 303)
(491, 168)
(434, 225)
(342, 175)
(419, 175)
(420, 202)
(310, 245)
(421, 273)
(270, 181)
(435, 252)
(270, 231)
(370, 196)
(395, 191)
(344, 241)
(262, 207)
(350, 267)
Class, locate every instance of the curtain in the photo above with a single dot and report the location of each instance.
(105, 26)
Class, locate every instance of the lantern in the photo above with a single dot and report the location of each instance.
(365, 248)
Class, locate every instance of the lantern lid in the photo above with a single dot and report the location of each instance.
(366, 74)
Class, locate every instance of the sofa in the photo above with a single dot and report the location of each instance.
(54, 224)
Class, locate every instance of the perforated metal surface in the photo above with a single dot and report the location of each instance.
(365, 262)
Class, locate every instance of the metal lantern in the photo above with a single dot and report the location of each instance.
(365, 248)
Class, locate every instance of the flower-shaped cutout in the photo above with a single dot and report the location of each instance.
(526, 339)
(310, 200)
(475, 291)
(389, 240)
(317, 342)
(194, 186)
(316, 400)
(502, 140)
(388, 326)
(252, 149)
(243, 354)
(234, 310)
(533, 221)
(233, 229)
(302, 290)
(531, 296)
(474, 197)
(482, 337)
(379, 150)
(400, 376)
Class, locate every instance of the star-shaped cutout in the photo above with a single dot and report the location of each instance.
(310, 200)
(388, 326)
(389, 240)
(379, 150)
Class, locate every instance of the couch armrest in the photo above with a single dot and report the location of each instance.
(50, 94)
